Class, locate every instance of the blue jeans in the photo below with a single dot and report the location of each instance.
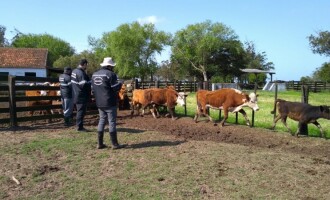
(111, 115)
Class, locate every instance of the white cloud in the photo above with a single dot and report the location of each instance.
(149, 19)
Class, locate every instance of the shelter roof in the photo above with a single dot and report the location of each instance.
(256, 71)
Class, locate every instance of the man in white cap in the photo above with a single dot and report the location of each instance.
(105, 87)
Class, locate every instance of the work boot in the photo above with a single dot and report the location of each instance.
(100, 144)
(67, 121)
(114, 141)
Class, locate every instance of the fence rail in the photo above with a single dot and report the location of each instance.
(14, 107)
(316, 86)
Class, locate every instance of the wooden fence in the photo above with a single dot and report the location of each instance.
(14, 107)
(316, 86)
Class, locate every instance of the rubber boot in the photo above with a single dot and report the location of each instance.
(66, 121)
(114, 141)
(100, 144)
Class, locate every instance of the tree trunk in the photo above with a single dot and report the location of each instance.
(204, 76)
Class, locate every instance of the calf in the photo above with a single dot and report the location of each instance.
(157, 97)
(163, 97)
(226, 99)
(301, 112)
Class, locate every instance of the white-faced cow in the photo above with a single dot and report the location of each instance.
(157, 97)
(226, 99)
(301, 112)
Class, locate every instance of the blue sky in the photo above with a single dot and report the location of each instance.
(278, 27)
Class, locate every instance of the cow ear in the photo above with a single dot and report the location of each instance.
(244, 100)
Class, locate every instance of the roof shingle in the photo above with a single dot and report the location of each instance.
(23, 57)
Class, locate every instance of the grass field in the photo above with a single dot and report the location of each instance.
(263, 117)
(59, 163)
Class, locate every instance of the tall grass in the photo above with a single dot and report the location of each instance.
(263, 118)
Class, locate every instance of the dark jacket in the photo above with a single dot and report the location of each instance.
(65, 86)
(81, 86)
(105, 87)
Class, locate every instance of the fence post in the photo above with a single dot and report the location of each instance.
(156, 84)
(304, 99)
(276, 90)
(12, 101)
(136, 84)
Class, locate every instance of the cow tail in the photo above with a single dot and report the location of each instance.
(275, 104)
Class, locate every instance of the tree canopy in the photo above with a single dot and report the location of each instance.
(206, 48)
(133, 47)
(321, 43)
(56, 46)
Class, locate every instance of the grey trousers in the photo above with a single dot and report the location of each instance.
(111, 115)
(67, 105)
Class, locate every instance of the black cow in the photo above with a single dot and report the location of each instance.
(301, 112)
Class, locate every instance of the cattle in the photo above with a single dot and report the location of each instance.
(43, 102)
(157, 97)
(123, 100)
(226, 99)
(302, 112)
(30, 93)
(138, 99)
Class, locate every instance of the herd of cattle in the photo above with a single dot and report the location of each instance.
(226, 99)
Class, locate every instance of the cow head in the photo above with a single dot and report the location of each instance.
(325, 110)
(181, 100)
(253, 101)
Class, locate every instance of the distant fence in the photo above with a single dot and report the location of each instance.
(316, 86)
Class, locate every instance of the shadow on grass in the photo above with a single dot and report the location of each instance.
(155, 144)
(129, 130)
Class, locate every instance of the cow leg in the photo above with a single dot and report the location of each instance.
(319, 126)
(132, 109)
(171, 111)
(286, 125)
(225, 116)
(197, 114)
(245, 116)
(275, 121)
(154, 111)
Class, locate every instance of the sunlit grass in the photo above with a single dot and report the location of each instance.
(263, 117)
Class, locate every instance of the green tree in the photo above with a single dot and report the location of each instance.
(321, 43)
(56, 46)
(322, 73)
(73, 61)
(133, 47)
(3, 40)
(170, 71)
(256, 60)
(203, 49)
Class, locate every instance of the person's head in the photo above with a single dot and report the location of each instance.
(67, 70)
(83, 63)
(108, 62)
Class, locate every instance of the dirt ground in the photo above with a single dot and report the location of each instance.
(186, 128)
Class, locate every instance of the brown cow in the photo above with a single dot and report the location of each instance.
(30, 93)
(138, 99)
(158, 97)
(226, 99)
(43, 102)
(301, 112)
(123, 100)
